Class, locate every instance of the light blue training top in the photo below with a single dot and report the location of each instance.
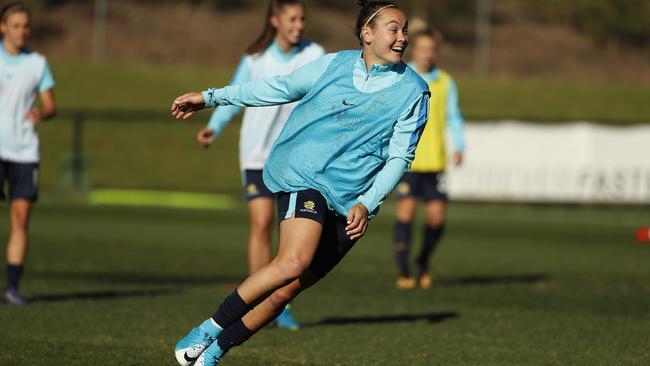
(22, 78)
(455, 118)
(222, 116)
(354, 133)
(47, 81)
(261, 126)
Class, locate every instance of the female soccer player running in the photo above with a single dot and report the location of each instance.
(24, 74)
(279, 50)
(343, 149)
(426, 178)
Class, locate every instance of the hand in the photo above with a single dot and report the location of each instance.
(357, 221)
(205, 137)
(458, 158)
(185, 105)
(35, 116)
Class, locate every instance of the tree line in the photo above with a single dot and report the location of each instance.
(622, 22)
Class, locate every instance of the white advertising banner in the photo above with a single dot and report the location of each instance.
(572, 162)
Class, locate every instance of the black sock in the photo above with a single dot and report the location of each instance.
(13, 275)
(402, 243)
(429, 244)
(233, 336)
(232, 309)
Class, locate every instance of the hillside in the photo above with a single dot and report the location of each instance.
(195, 34)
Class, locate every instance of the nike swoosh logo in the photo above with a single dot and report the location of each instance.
(345, 102)
(188, 358)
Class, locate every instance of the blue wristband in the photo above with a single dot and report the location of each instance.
(208, 97)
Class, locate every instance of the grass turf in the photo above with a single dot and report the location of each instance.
(516, 285)
(84, 86)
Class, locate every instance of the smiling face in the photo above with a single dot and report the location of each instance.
(385, 42)
(290, 24)
(15, 30)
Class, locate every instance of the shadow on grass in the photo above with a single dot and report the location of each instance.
(100, 295)
(432, 318)
(493, 280)
(135, 278)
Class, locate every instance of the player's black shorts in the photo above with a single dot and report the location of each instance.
(254, 186)
(334, 242)
(425, 186)
(22, 179)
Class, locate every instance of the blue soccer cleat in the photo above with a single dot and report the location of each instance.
(192, 345)
(211, 356)
(286, 321)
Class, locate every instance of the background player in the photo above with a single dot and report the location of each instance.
(426, 180)
(279, 50)
(24, 74)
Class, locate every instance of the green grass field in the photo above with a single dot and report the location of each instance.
(516, 285)
(91, 86)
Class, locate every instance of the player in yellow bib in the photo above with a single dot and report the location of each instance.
(426, 180)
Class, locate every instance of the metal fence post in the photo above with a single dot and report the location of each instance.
(99, 29)
(77, 151)
(483, 33)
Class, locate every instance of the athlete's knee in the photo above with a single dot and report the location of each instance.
(405, 216)
(400, 247)
(281, 297)
(436, 214)
(406, 208)
(19, 214)
(436, 222)
(262, 226)
(290, 267)
(19, 221)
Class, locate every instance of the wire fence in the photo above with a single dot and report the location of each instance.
(134, 149)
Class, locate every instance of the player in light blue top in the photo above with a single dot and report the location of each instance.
(24, 75)
(279, 50)
(344, 148)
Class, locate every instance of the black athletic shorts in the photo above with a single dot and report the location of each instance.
(425, 186)
(22, 179)
(254, 186)
(334, 242)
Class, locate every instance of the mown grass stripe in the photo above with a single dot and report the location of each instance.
(131, 197)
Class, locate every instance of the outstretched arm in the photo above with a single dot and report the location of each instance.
(272, 91)
(222, 116)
